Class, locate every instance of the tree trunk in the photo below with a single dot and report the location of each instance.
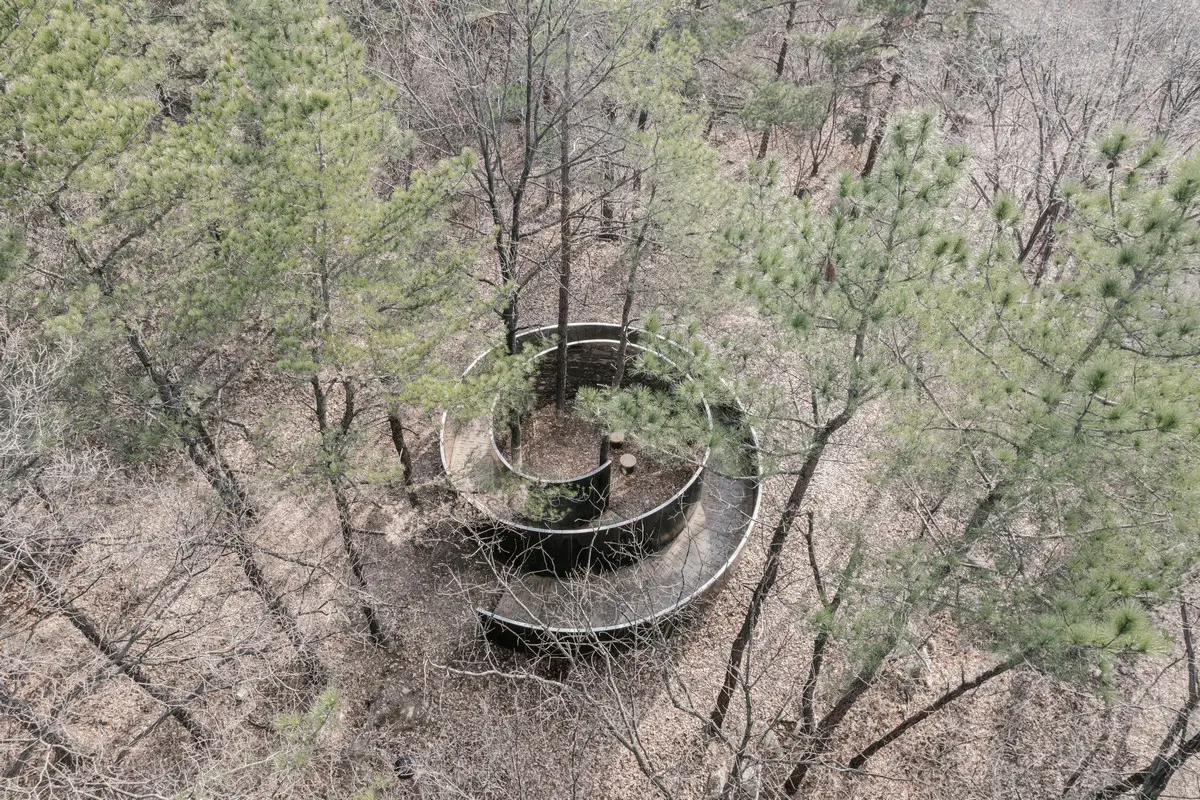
(880, 129)
(766, 581)
(59, 600)
(277, 609)
(1152, 781)
(205, 454)
(893, 84)
(357, 564)
(930, 709)
(202, 449)
(333, 437)
(817, 661)
(510, 340)
(396, 428)
(608, 215)
(564, 264)
(780, 63)
(642, 119)
(626, 314)
(635, 257)
(823, 733)
(67, 755)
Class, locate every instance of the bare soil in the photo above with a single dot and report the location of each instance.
(557, 447)
(553, 446)
(654, 480)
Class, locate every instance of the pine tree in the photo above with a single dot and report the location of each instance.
(1067, 412)
(1077, 400)
(126, 205)
(836, 288)
(359, 287)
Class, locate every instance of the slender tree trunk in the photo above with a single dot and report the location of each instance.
(202, 450)
(929, 710)
(770, 573)
(817, 661)
(1045, 227)
(205, 454)
(357, 563)
(880, 128)
(608, 217)
(642, 119)
(823, 732)
(780, 63)
(196, 693)
(201, 447)
(59, 600)
(67, 755)
(1044, 222)
(333, 437)
(763, 143)
(608, 227)
(924, 590)
(635, 257)
(310, 663)
(396, 429)
(855, 393)
(1162, 770)
(509, 252)
(507, 249)
(511, 322)
(808, 469)
(1152, 781)
(626, 316)
(564, 264)
(893, 84)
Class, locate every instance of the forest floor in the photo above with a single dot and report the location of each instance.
(482, 720)
(486, 722)
(557, 447)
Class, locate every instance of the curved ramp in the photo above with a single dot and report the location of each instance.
(596, 607)
(581, 605)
